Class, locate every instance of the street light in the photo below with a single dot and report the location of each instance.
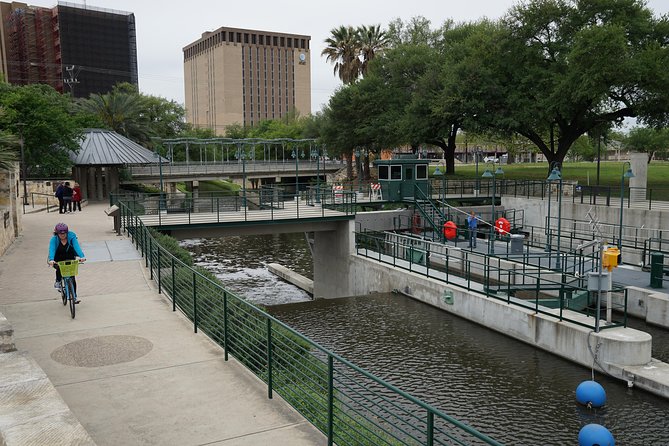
(493, 175)
(442, 195)
(316, 153)
(358, 154)
(626, 174)
(556, 175)
(296, 155)
(161, 205)
(24, 170)
(241, 155)
(477, 152)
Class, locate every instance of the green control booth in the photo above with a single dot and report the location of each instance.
(399, 176)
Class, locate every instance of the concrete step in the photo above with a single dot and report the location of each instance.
(31, 410)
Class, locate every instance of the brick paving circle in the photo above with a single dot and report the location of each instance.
(101, 351)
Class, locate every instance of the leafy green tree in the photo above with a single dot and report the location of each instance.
(555, 69)
(8, 147)
(653, 141)
(49, 129)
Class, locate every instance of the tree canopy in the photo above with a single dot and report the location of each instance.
(549, 71)
(44, 119)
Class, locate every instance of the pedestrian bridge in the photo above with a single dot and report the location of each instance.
(256, 212)
(239, 169)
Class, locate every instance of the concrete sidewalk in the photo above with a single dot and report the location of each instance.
(132, 371)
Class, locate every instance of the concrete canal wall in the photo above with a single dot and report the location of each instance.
(624, 353)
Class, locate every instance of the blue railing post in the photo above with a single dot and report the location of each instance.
(269, 358)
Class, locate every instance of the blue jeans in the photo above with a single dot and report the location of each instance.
(472, 237)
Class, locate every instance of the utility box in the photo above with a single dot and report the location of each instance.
(610, 258)
(598, 281)
(656, 269)
(516, 242)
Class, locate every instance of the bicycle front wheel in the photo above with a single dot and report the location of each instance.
(73, 297)
(63, 292)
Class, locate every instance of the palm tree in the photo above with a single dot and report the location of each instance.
(121, 112)
(371, 41)
(343, 50)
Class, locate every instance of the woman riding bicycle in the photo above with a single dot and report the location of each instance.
(64, 246)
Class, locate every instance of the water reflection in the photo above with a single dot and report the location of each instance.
(511, 391)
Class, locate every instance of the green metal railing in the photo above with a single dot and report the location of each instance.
(173, 209)
(348, 404)
(516, 283)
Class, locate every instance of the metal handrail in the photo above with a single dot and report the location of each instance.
(481, 273)
(348, 404)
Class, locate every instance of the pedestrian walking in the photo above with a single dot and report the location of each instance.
(59, 196)
(472, 225)
(76, 197)
(67, 197)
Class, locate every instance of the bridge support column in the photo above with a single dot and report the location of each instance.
(332, 252)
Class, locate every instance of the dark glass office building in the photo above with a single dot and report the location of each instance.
(75, 48)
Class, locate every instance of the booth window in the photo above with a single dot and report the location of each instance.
(421, 172)
(383, 173)
(395, 172)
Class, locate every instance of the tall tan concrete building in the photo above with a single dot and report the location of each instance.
(243, 76)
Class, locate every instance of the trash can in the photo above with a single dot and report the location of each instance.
(656, 269)
(516, 242)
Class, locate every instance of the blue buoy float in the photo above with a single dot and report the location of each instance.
(595, 435)
(591, 393)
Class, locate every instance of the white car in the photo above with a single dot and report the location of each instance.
(491, 159)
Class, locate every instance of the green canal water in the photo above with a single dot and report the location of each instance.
(515, 393)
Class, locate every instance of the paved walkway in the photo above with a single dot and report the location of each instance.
(132, 371)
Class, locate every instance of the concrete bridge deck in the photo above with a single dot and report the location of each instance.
(130, 370)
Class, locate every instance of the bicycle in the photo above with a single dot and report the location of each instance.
(68, 270)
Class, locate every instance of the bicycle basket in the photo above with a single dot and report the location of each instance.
(68, 268)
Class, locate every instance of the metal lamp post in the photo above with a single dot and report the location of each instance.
(626, 174)
(161, 202)
(241, 155)
(357, 157)
(442, 194)
(556, 175)
(493, 175)
(477, 152)
(24, 170)
(316, 153)
(296, 155)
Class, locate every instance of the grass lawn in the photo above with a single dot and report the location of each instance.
(585, 173)
(216, 188)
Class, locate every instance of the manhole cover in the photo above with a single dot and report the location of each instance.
(101, 351)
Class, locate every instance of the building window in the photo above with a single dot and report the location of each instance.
(239, 37)
(421, 172)
(231, 36)
(290, 42)
(302, 43)
(246, 38)
(395, 172)
(262, 39)
(253, 39)
(275, 41)
(384, 173)
(283, 41)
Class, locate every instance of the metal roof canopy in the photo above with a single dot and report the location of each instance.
(102, 147)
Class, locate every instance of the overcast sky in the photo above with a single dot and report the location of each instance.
(165, 27)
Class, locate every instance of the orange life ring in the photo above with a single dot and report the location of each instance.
(450, 230)
(502, 226)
